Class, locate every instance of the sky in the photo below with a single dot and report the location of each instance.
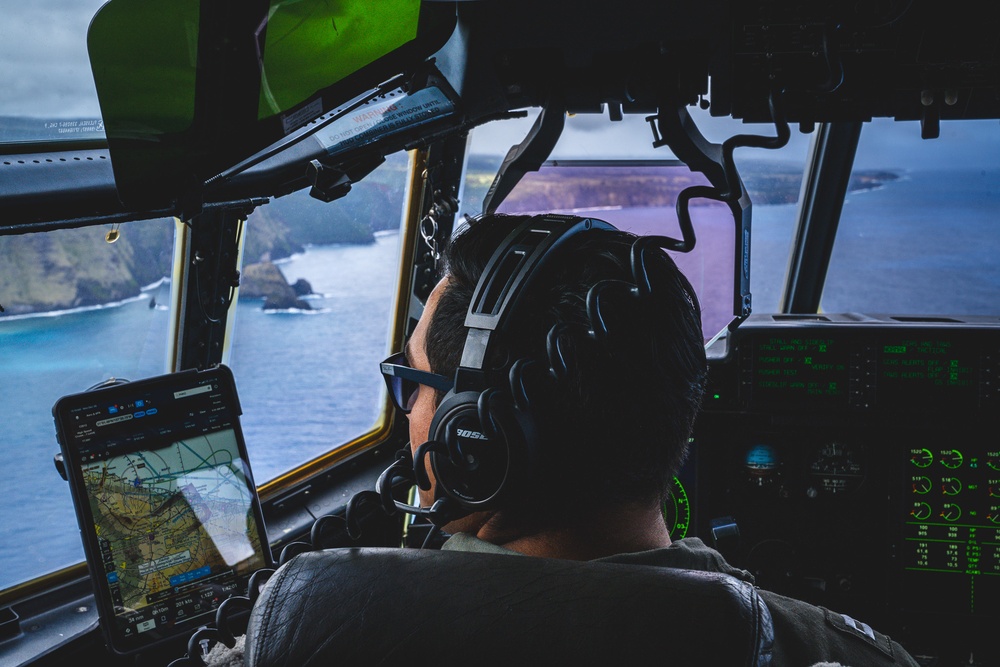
(45, 72)
(43, 58)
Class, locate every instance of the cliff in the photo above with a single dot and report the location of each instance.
(76, 267)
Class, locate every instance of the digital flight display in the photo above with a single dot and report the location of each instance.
(951, 531)
(799, 369)
(886, 429)
(904, 369)
(915, 370)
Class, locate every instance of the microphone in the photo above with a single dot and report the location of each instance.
(443, 510)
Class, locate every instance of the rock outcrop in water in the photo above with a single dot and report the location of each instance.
(265, 280)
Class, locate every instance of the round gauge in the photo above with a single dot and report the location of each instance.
(951, 486)
(922, 485)
(994, 515)
(921, 511)
(761, 464)
(921, 457)
(837, 467)
(993, 459)
(951, 458)
(677, 511)
(951, 512)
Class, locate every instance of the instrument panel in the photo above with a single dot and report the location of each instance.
(856, 461)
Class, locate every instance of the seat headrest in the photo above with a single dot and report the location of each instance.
(386, 606)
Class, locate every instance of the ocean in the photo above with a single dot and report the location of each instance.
(300, 394)
(309, 380)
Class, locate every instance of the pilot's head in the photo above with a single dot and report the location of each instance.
(613, 428)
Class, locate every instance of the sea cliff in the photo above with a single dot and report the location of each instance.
(75, 268)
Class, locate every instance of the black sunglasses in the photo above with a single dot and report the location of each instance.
(403, 380)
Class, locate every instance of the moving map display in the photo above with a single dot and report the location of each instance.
(166, 502)
(169, 517)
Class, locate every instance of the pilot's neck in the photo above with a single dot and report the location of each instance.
(606, 533)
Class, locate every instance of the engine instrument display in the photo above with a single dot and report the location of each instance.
(952, 532)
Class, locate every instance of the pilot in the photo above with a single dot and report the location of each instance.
(612, 415)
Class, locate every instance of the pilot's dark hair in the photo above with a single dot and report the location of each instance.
(615, 430)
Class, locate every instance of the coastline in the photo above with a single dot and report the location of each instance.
(143, 294)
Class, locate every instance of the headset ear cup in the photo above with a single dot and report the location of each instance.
(517, 429)
(483, 460)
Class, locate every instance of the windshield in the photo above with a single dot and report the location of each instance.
(49, 92)
(920, 237)
(611, 171)
(916, 233)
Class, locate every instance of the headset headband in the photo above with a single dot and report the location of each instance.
(507, 275)
(482, 440)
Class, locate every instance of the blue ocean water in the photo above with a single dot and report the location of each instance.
(309, 380)
(924, 244)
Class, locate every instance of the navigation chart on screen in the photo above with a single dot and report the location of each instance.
(171, 516)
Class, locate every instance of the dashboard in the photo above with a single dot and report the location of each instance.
(853, 461)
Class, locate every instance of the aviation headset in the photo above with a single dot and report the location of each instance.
(482, 442)
(483, 438)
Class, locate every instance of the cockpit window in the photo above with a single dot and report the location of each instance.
(81, 306)
(922, 237)
(48, 88)
(313, 319)
(610, 170)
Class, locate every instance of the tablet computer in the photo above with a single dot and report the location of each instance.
(168, 509)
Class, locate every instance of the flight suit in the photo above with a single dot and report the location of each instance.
(804, 634)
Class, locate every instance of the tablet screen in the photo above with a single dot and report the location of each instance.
(167, 505)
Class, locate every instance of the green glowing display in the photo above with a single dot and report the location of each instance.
(677, 511)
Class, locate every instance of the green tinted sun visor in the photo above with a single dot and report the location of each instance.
(189, 88)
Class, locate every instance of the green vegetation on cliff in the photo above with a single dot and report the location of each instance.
(78, 267)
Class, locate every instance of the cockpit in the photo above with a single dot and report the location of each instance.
(268, 188)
